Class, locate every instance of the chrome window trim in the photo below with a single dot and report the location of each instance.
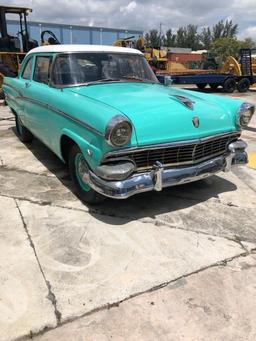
(50, 56)
(29, 59)
(57, 54)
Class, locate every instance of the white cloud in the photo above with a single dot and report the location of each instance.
(249, 32)
(129, 8)
(143, 14)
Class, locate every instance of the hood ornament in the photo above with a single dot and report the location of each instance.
(185, 101)
(196, 121)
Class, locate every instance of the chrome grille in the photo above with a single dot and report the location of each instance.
(176, 154)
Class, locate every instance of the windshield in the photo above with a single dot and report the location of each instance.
(72, 69)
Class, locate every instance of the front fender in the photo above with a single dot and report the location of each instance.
(92, 154)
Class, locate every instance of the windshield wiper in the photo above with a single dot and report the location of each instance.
(103, 80)
(133, 78)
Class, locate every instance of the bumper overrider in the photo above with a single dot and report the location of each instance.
(159, 178)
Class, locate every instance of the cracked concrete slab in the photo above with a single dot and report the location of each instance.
(214, 206)
(216, 304)
(38, 188)
(95, 257)
(91, 263)
(24, 307)
(34, 157)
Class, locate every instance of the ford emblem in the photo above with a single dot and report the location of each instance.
(195, 121)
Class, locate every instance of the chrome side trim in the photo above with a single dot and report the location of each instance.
(62, 113)
(13, 87)
(184, 100)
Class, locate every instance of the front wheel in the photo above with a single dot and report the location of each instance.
(78, 169)
(24, 134)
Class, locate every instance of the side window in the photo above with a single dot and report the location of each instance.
(42, 69)
(27, 70)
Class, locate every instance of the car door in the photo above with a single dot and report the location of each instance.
(37, 92)
(17, 88)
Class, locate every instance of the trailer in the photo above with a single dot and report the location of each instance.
(228, 81)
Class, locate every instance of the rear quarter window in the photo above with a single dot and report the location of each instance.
(27, 69)
(42, 69)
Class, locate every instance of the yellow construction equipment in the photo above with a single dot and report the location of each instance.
(254, 65)
(231, 65)
(131, 42)
(13, 48)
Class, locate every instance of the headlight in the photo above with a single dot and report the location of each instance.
(118, 131)
(244, 114)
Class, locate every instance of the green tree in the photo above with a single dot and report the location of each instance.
(206, 37)
(192, 37)
(247, 43)
(169, 39)
(224, 30)
(187, 36)
(224, 47)
(181, 37)
(153, 39)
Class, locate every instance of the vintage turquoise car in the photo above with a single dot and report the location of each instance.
(102, 111)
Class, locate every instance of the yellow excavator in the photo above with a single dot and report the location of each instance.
(13, 48)
(231, 65)
(157, 58)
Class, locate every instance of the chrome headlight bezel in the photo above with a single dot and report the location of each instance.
(244, 115)
(115, 123)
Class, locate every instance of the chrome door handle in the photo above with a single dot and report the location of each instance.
(27, 84)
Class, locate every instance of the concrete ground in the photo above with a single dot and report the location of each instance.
(174, 265)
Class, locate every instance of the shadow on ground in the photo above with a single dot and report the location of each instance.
(143, 205)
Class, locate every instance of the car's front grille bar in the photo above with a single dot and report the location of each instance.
(173, 155)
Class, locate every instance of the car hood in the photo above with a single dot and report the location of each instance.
(158, 115)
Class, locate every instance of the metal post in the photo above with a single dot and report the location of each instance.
(26, 37)
(101, 36)
(90, 37)
(61, 35)
(71, 35)
(160, 35)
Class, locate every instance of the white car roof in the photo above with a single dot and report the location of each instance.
(83, 48)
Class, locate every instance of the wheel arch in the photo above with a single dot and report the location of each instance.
(69, 138)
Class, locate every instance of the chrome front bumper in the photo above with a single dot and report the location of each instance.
(159, 178)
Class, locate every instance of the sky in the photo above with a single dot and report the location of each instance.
(144, 14)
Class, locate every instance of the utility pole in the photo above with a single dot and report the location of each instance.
(160, 34)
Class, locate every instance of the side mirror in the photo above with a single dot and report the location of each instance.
(167, 80)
